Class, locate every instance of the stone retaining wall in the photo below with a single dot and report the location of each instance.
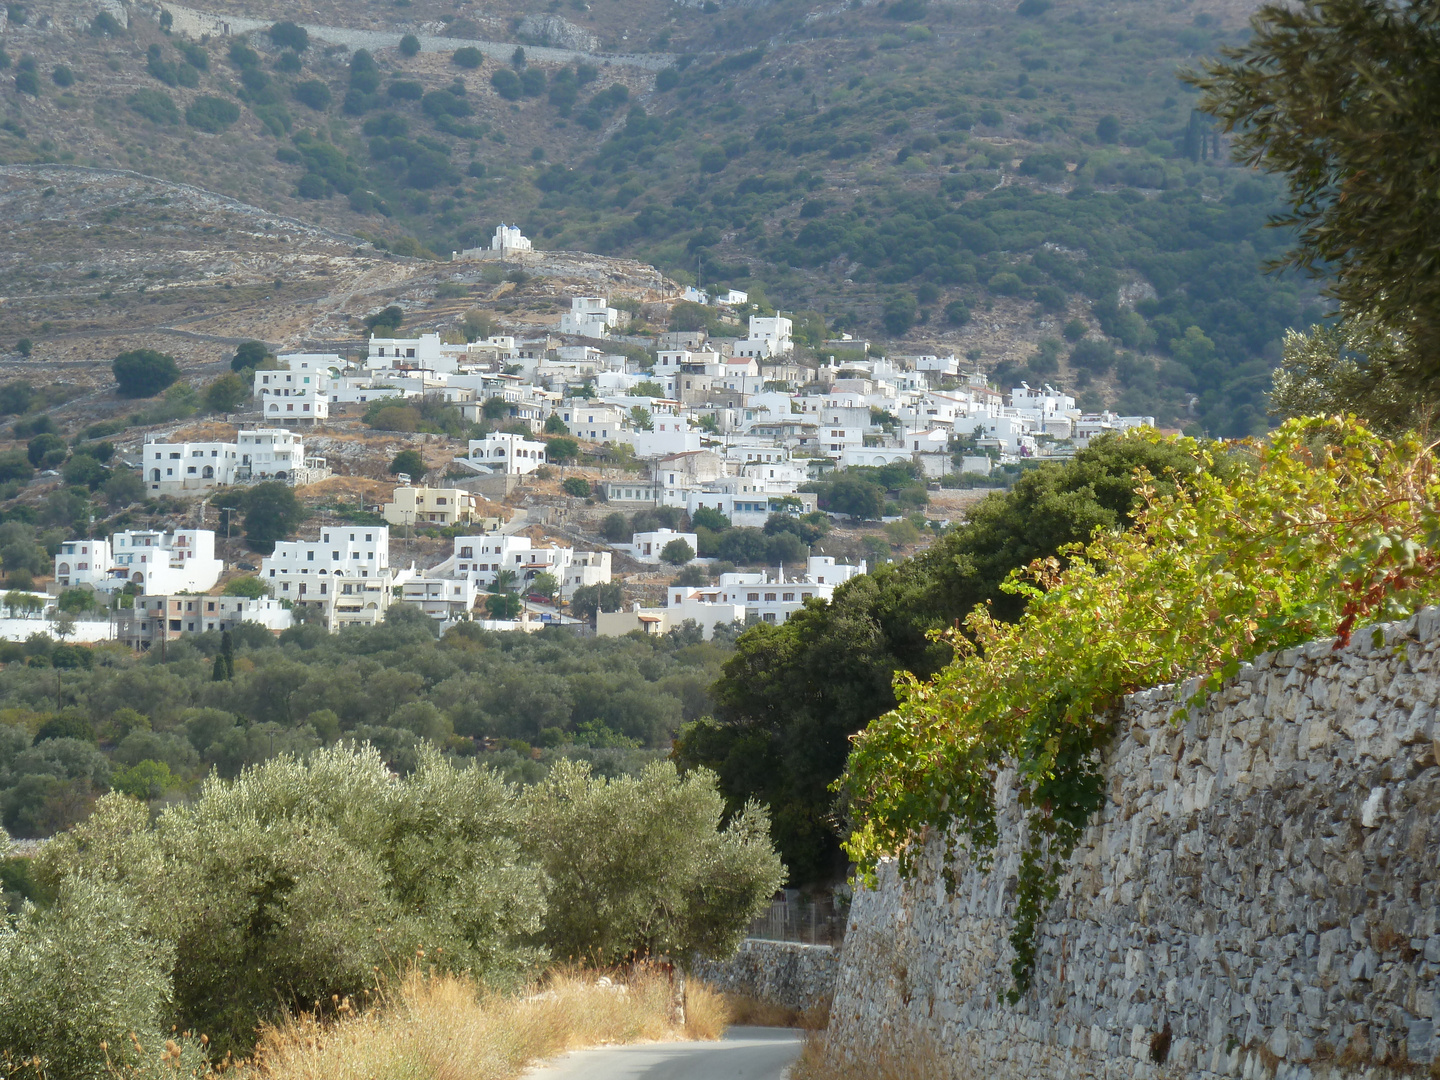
(1258, 898)
(782, 972)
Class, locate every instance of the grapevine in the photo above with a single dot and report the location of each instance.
(1265, 545)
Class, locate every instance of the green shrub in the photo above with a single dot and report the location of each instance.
(144, 372)
(106, 25)
(640, 866)
(211, 114)
(467, 57)
(78, 975)
(314, 94)
(287, 35)
(154, 105)
(252, 587)
(507, 84)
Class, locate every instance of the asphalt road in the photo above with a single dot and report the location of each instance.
(746, 1053)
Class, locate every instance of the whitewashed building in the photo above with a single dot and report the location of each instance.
(740, 596)
(443, 599)
(175, 468)
(423, 353)
(508, 239)
(595, 421)
(506, 452)
(768, 337)
(589, 316)
(482, 558)
(157, 561)
(354, 550)
(83, 562)
(298, 392)
(646, 547)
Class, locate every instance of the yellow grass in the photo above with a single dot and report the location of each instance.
(440, 1028)
(752, 1012)
(707, 1012)
(919, 1060)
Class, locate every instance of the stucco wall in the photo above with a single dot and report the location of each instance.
(1257, 898)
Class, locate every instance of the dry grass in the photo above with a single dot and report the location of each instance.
(440, 1028)
(920, 1059)
(707, 1012)
(752, 1012)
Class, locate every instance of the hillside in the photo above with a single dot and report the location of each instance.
(928, 175)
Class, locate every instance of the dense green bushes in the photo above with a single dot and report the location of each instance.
(393, 685)
(304, 882)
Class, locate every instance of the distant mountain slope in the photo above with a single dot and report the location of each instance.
(936, 176)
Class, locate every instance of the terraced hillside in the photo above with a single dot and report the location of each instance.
(1027, 186)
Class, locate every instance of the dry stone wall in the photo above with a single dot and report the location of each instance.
(1258, 898)
(782, 972)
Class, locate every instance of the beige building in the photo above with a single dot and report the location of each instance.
(153, 618)
(430, 506)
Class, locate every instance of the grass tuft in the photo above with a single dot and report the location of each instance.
(918, 1059)
(442, 1027)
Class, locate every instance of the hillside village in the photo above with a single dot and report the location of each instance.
(598, 465)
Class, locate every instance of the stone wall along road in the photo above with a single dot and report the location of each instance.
(781, 972)
(1258, 898)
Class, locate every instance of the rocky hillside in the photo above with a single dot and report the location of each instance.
(1026, 185)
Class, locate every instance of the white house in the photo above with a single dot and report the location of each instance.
(310, 571)
(743, 501)
(736, 597)
(482, 558)
(82, 562)
(668, 435)
(646, 547)
(164, 562)
(586, 568)
(443, 599)
(299, 391)
(172, 468)
(506, 452)
(589, 316)
(768, 337)
(423, 353)
(277, 454)
(264, 454)
(595, 421)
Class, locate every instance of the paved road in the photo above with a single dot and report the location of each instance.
(192, 22)
(746, 1053)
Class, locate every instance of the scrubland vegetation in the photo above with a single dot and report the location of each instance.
(328, 884)
(897, 170)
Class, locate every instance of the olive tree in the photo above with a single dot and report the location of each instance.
(642, 865)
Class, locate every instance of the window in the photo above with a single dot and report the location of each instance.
(769, 597)
(752, 597)
(788, 597)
